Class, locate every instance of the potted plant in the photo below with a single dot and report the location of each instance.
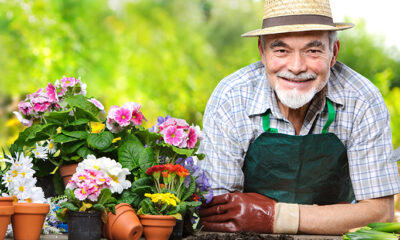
(61, 128)
(162, 159)
(123, 223)
(158, 215)
(30, 210)
(89, 199)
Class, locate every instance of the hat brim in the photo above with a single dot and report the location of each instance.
(297, 28)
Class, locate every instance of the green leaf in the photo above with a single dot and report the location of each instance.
(101, 140)
(183, 151)
(69, 206)
(36, 130)
(190, 190)
(78, 122)
(99, 207)
(84, 151)
(76, 134)
(104, 196)
(129, 154)
(72, 147)
(146, 159)
(127, 197)
(145, 181)
(84, 108)
(58, 116)
(61, 138)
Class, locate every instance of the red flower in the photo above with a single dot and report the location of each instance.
(195, 197)
(155, 168)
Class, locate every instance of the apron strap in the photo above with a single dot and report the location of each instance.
(265, 121)
(331, 118)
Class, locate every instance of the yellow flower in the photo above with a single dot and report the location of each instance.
(96, 127)
(167, 198)
(116, 139)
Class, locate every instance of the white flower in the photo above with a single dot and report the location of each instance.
(22, 188)
(40, 152)
(111, 168)
(36, 195)
(24, 121)
(51, 147)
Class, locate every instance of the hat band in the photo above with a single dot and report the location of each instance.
(297, 19)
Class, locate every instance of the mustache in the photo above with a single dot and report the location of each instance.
(300, 76)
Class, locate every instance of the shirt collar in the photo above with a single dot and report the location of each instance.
(264, 97)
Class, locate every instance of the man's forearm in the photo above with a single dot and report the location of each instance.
(339, 218)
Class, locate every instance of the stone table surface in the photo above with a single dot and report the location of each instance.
(295, 237)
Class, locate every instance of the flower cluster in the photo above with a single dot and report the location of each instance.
(177, 132)
(120, 118)
(87, 184)
(173, 177)
(44, 148)
(160, 204)
(203, 187)
(110, 168)
(161, 198)
(48, 99)
(19, 180)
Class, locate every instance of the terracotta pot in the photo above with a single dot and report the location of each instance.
(27, 221)
(5, 218)
(84, 225)
(157, 227)
(66, 172)
(123, 225)
(6, 201)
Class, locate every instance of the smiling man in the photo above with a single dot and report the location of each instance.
(291, 139)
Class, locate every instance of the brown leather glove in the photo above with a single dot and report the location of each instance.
(248, 212)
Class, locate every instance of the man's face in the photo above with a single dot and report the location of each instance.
(298, 65)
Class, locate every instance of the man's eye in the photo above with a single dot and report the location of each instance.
(314, 51)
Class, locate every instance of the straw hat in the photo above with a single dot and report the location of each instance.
(281, 16)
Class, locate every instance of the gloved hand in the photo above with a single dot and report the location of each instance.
(249, 212)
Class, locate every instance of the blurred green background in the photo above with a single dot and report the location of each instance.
(167, 55)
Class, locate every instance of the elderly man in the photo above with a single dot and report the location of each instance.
(293, 137)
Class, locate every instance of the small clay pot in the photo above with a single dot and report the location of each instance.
(157, 227)
(66, 172)
(84, 225)
(5, 218)
(27, 221)
(6, 201)
(123, 225)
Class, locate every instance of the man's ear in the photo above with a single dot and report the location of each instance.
(336, 47)
(261, 50)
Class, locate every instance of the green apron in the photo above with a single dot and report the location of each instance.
(310, 169)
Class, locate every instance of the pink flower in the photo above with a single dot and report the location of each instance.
(113, 126)
(25, 107)
(68, 82)
(81, 193)
(137, 118)
(173, 135)
(51, 93)
(132, 106)
(123, 116)
(192, 138)
(41, 107)
(97, 103)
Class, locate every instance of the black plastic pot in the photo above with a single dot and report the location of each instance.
(177, 232)
(84, 225)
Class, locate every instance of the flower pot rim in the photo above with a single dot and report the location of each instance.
(6, 199)
(84, 213)
(150, 216)
(32, 208)
(68, 169)
(6, 210)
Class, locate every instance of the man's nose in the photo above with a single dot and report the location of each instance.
(297, 63)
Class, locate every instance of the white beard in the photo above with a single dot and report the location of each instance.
(293, 98)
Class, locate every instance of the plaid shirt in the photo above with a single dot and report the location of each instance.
(232, 121)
